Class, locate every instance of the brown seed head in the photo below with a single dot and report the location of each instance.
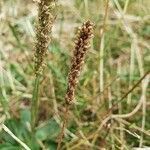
(82, 43)
(44, 26)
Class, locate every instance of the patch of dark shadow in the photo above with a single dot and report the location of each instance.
(89, 115)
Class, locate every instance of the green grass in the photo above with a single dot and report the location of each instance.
(125, 57)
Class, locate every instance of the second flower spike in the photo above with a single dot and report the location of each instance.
(82, 43)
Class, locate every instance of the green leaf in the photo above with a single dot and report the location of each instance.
(51, 145)
(25, 116)
(49, 131)
(8, 146)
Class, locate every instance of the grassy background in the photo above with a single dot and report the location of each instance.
(113, 65)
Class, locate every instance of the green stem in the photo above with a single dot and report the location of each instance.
(35, 103)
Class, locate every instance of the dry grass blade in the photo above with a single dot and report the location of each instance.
(14, 137)
(42, 92)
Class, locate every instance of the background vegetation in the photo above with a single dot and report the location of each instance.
(116, 61)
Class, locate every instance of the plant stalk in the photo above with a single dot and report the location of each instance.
(35, 102)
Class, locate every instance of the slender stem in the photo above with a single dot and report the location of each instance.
(101, 47)
(35, 102)
(63, 127)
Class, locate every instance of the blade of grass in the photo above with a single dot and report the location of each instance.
(15, 138)
(120, 105)
(35, 102)
(3, 97)
(15, 34)
(101, 48)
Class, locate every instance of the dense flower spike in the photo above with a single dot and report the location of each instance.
(82, 43)
(45, 22)
(46, 16)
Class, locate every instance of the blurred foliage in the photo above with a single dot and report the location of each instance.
(17, 37)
